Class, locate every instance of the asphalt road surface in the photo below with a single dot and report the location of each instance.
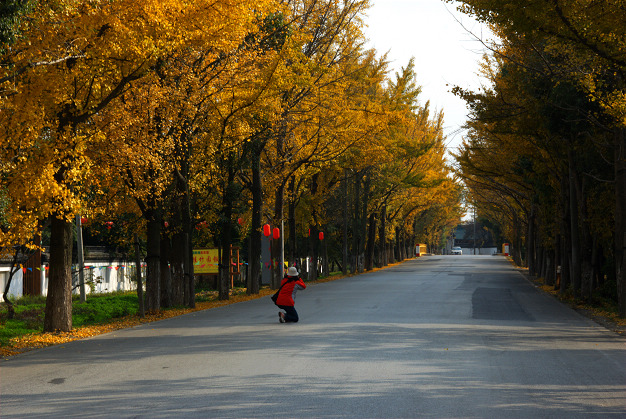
(442, 336)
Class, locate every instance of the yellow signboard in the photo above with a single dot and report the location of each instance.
(205, 261)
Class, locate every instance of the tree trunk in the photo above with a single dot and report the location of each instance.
(565, 268)
(550, 276)
(142, 311)
(566, 233)
(405, 253)
(314, 232)
(166, 274)
(177, 263)
(189, 287)
(595, 262)
(292, 243)
(224, 271)
(620, 219)
(255, 228)
(517, 249)
(275, 261)
(355, 224)
(278, 255)
(382, 240)
(540, 266)
(226, 235)
(189, 271)
(314, 251)
(557, 258)
(344, 247)
(277, 249)
(181, 254)
(396, 252)
(530, 243)
(575, 266)
(153, 262)
(58, 312)
(364, 217)
(586, 243)
(325, 262)
(371, 243)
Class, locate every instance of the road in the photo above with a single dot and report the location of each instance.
(441, 336)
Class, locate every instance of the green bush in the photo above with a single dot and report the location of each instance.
(101, 308)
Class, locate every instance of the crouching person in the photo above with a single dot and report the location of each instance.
(286, 297)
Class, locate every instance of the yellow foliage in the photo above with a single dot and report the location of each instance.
(64, 130)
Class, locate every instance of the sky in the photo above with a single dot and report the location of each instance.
(446, 54)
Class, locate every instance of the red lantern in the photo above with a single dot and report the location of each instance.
(109, 224)
(276, 233)
(83, 220)
(321, 235)
(240, 221)
(267, 230)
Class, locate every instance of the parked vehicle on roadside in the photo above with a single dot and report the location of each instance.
(456, 250)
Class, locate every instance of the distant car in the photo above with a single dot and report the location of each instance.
(456, 250)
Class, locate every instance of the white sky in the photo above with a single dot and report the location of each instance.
(445, 53)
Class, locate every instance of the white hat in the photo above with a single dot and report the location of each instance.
(292, 271)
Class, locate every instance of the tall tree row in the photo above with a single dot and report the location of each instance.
(545, 155)
(75, 61)
(172, 121)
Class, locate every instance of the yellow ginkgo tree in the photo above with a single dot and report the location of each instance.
(75, 60)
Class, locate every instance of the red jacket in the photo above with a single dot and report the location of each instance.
(288, 291)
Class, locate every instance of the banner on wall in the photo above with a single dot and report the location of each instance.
(205, 261)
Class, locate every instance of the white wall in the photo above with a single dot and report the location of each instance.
(110, 277)
(480, 251)
(15, 290)
(107, 278)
